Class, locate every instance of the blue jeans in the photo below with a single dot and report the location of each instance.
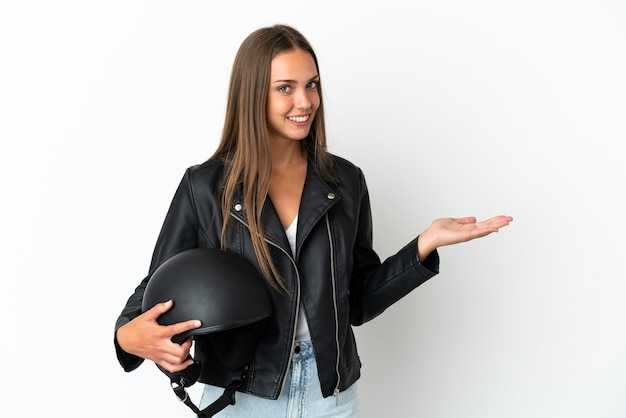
(301, 396)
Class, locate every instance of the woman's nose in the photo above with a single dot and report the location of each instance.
(302, 99)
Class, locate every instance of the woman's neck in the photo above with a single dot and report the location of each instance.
(285, 156)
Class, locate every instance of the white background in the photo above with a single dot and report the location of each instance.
(451, 107)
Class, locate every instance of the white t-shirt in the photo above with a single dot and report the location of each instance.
(302, 330)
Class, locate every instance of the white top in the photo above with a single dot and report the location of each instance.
(302, 330)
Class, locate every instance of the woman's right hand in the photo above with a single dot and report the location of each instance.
(146, 338)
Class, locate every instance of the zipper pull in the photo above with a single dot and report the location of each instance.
(336, 395)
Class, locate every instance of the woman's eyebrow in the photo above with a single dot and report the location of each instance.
(315, 77)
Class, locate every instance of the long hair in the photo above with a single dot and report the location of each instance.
(245, 147)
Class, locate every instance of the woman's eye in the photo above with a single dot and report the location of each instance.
(313, 84)
(284, 89)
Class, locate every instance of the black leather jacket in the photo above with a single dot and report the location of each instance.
(335, 275)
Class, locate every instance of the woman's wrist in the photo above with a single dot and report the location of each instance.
(425, 246)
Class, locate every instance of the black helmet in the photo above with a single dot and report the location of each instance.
(229, 298)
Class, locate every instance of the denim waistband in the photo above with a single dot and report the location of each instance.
(303, 350)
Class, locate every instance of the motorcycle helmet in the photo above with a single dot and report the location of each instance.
(229, 298)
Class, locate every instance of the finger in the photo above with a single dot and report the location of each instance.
(176, 354)
(158, 309)
(491, 225)
(174, 367)
(498, 221)
(181, 327)
(186, 345)
(500, 218)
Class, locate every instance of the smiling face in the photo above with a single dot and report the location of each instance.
(293, 97)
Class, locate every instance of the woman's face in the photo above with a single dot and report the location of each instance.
(293, 97)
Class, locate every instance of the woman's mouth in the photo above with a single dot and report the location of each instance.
(299, 119)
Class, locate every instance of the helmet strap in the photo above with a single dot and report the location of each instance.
(226, 399)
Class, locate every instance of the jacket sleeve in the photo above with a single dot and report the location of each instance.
(178, 233)
(374, 285)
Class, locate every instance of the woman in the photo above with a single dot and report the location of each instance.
(273, 195)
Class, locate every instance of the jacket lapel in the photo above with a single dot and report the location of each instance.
(269, 218)
(317, 198)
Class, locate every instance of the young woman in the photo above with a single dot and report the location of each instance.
(273, 195)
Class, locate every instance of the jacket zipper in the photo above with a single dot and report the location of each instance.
(295, 324)
(334, 280)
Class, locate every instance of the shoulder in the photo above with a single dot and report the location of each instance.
(211, 168)
(209, 174)
(346, 170)
(349, 176)
(340, 161)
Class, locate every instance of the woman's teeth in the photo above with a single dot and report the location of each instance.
(298, 118)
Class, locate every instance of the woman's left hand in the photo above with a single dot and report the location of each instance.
(448, 231)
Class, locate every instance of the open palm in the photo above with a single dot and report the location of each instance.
(449, 231)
